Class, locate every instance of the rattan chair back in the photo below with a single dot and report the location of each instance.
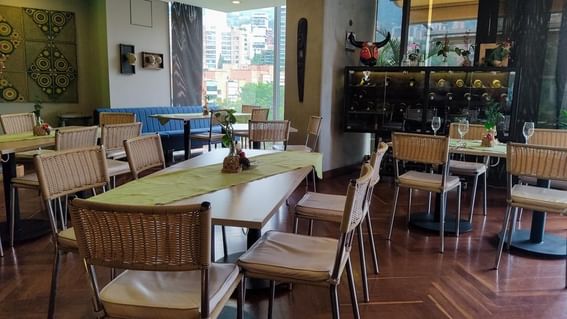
(143, 153)
(313, 130)
(542, 162)
(248, 108)
(68, 172)
(268, 131)
(74, 138)
(476, 131)
(549, 137)
(376, 161)
(17, 122)
(420, 148)
(155, 238)
(260, 114)
(114, 135)
(105, 118)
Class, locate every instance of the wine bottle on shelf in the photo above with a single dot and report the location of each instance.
(468, 96)
(450, 96)
(412, 82)
(431, 96)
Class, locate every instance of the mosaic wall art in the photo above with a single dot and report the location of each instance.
(41, 55)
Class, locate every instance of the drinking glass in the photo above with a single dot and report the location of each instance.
(528, 130)
(435, 124)
(463, 129)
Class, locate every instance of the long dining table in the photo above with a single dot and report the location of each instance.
(248, 203)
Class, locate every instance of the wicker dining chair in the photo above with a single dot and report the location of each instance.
(166, 254)
(212, 136)
(65, 173)
(105, 118)
(329, 208)
(539, 162)
(312, 260)
(313, 129)
(547, 137)
(268, 131)
(260, 114)
(114, 135)
(471, 169)
(429, 150)
(17, 122)
(144, 152)
(249, 108)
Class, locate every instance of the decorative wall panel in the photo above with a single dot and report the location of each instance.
(41, 55)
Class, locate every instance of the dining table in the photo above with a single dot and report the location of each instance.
(247, 199)
(533, 240)
(187, 118)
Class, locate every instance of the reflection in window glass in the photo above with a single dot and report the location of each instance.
(239, 58)
(442, 32)
(389, 19)
(548, 97)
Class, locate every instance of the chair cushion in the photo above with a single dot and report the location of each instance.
(205, 136)
(427, 181)
(297, 148)
(293, 257)
(554, 184)
(28, 180)
(545, 199)
(116, 167)
(154, 294)
(466, 168)
(66, 238)
(116, 153)
(321, 206)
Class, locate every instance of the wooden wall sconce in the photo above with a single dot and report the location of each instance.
(152, 60)
(127, 59)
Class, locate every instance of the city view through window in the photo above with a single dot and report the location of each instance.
(244, 58)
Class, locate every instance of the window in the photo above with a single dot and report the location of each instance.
(243, 58)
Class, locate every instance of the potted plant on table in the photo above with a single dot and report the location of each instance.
(40, 128)
(493, 116)
(226, 119)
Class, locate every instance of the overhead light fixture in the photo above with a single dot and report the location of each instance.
(236, 1)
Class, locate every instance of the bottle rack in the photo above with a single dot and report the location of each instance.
(381, 100)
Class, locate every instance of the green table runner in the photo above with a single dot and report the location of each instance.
(170, 187)
(21, 137)
(475, 145)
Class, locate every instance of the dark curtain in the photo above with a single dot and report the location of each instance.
(187, 54)
(561, 70)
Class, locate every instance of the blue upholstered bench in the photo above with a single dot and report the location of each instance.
(172, 132)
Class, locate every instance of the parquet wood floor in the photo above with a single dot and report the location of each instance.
(415, 280)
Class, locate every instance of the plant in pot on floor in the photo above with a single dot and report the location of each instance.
(493, 116)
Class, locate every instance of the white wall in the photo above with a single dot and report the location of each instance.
(87, 71)
(146, 87)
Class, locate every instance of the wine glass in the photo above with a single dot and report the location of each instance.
(528, 130)
(463, 129)
(435, 124)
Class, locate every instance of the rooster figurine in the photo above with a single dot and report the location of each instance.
(368, 50)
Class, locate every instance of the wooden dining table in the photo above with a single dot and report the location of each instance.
(250, 205)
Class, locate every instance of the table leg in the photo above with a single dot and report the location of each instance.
(9, 171)
(187, 139)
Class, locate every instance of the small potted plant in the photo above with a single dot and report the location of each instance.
(40, 128)
(226, 119)
(493, 116)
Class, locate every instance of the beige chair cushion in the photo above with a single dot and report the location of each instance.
(549, 200)
(321, 206)
(427, 181)
(205, 136)
(116, 167)
(466, 168)
(154, 294)
(554, 184)
(293, 257)
(30, 154)
(116, 153)
(67, 239)
(296, 148)
(29, 180)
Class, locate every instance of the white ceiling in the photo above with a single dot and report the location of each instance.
(228, 6)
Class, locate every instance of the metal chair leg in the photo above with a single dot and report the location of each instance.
(473, 198)
(272, 297)
(334, 302)
(442, 221)
(354, 301)
(12, 215)
(1, 249)
(372, 243)
(224, 242)
(484, 195)
(53, 290)
(295, 224)
(429, 203)
(512, 227)
(311, 227)
(502, 237)
(409, 204)
(363, 272)
(395, 206)
(458, 231)
(314, 181)
(240, 300)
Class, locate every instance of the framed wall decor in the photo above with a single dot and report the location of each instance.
(152, 60)
(127, 59)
